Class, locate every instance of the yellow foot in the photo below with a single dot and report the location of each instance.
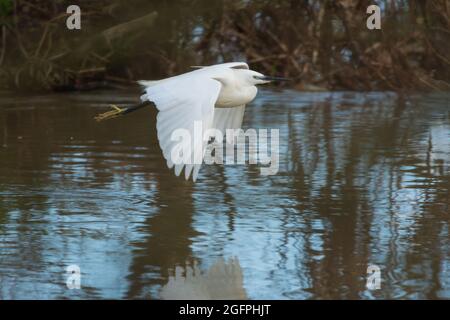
(110, 114)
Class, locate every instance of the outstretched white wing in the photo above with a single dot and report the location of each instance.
(228, 118)
(183, 102)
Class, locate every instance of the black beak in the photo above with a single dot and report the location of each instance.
(267, 78)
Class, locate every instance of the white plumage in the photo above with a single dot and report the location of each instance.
(214, 95)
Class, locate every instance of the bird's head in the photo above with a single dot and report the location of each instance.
(255, 78)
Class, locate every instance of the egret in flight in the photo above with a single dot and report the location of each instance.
(214, 96)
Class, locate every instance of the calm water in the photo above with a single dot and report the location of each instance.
(364, 180)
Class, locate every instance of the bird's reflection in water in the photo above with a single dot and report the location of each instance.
(223, 280)
(364, 179)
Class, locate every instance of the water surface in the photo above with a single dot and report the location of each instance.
(364, 179)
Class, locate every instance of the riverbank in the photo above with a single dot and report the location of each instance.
(321, 46)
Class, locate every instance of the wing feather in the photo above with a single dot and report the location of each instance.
(228, 118)
(181, 101)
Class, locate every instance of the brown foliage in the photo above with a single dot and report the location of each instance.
(321, 44)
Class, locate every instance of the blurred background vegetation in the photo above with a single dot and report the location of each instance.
(322, 44)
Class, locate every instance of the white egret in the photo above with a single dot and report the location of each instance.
(213, 95)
